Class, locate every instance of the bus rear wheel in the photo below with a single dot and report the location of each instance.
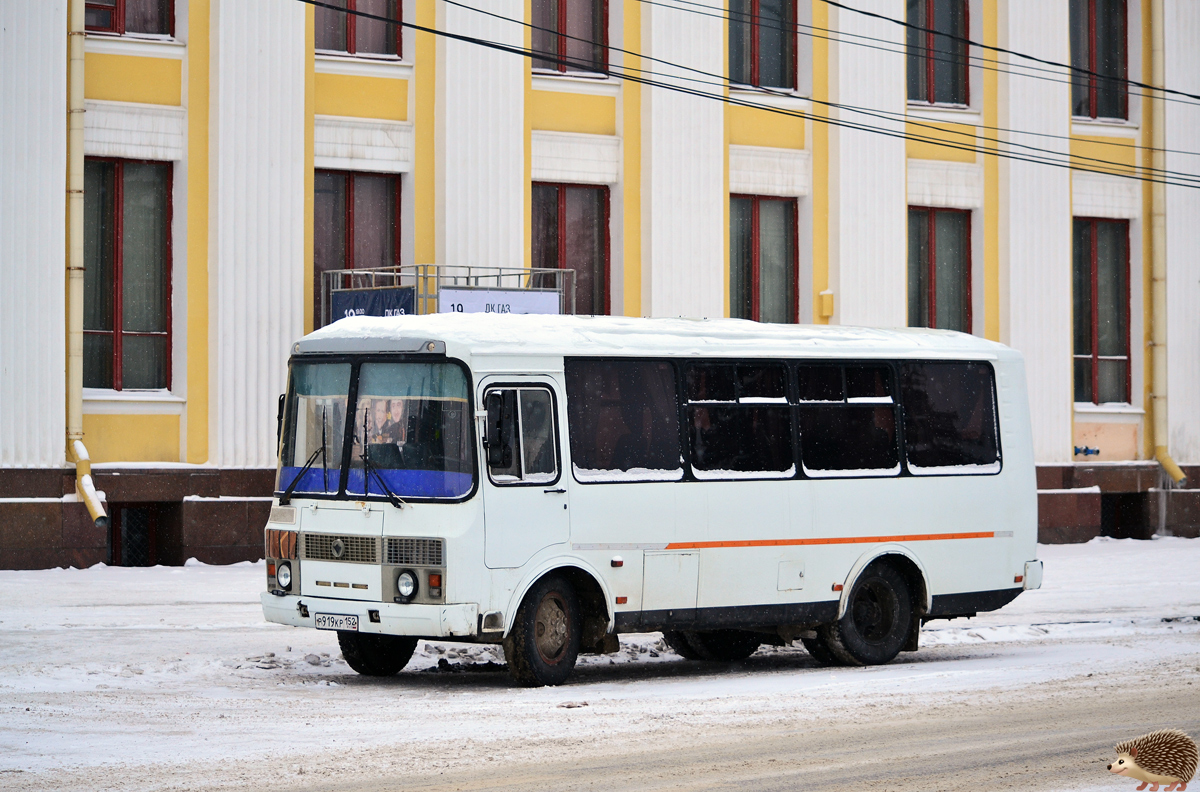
(817, 649)
(878, 617)
(371, 654)
(679, 645)
(544, 642)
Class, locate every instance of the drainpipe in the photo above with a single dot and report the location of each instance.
(83, 466)
(1158, 249)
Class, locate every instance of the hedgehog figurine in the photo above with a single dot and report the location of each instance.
(1166, 757)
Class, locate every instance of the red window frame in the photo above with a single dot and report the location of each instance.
(397, 186)
(118, 12)
(118, 255)
(756, 46)
(562, 232)
(756, 254)
(1092, 79)
(927, 56)
(931, 263)
(1094, 282)
(352, 34)
(561, 52)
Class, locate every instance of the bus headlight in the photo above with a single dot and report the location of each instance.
(406, 585)
(283, 576)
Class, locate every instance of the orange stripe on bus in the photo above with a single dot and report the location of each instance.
(829, 541)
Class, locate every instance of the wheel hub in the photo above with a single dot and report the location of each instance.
(551, 628)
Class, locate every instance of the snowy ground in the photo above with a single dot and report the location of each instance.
(169, 678)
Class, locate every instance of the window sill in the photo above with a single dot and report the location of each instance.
(1108, 412)
(105, 401)
(781, 100)
(576, 82)
(362, 66)
(1115, 127)
(143, 46)
(944, 113)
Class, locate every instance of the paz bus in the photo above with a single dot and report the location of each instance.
(549, 482)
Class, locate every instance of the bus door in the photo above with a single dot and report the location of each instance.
(525, 492)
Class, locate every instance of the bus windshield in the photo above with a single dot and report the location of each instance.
(411, 430)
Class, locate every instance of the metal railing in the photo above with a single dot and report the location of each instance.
(428, 280)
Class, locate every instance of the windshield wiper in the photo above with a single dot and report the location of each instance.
(286, 497)
(369, 469)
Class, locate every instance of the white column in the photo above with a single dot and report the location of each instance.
(867, 175)
(683, 168)
(1182, 25)
(481, 139)
(256, 269)
(1038, 230)
(33, 178)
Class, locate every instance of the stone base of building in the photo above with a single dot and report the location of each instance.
(168, 515)
(157, 516)
(1125, 500)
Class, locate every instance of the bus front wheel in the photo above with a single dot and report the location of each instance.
(543, 645)
(876, 623)
(371, 654)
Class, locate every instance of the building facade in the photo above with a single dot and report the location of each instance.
(775, 160)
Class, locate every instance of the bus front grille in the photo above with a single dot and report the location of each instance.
(414, 552)
(330, 547)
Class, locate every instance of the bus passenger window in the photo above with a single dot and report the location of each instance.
(524, 432)
(949, 418)
(745, 435)
(847, 430)
(623, 420)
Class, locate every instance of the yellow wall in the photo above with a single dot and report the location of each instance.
(359, 97)
(132, 438)
(1107, 154)
(571, 112)
(197, 236)
(820, 164)
(126, 78)
(751, 127)
(954, 134)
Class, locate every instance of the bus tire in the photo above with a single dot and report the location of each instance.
(819, 650)
(877, 621)
(372, 654)
(543, 644)
(725, 645)
(679, 644)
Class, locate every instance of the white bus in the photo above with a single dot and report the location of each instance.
(548, 482)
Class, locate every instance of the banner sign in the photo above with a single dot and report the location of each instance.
(515, 301)
(394, 301)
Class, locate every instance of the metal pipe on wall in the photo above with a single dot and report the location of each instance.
(75, 107)
(1158, 248)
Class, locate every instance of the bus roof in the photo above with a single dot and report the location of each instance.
(513, 334)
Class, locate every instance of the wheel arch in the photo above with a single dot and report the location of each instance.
(903, 561)
(590, 588)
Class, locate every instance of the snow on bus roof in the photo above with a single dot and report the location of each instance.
(527, 334)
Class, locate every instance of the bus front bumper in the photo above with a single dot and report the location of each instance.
(424, 621)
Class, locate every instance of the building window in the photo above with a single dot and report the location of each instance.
(1101, 303)
(339, 31)
(155, 17)
(356, 224)
(127, 276)
(573, 34)
(762, 258)
(570, 231)
(937, 52)
(939, 269)
(762, 43)
(1098, 45)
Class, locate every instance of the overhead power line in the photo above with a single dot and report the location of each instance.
(554, 58)
(724, 82)
(905, 23)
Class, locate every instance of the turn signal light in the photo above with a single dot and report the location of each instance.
(1018, 578)
(435, 580)
(837, 586)
(271, 569)
(622, 600)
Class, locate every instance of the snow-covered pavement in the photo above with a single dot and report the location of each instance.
(142, 678)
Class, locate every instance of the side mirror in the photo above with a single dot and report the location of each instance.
(279, 418)
(501, 409)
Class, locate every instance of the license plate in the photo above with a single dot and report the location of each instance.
(334, 621)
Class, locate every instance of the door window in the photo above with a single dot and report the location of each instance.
(521, 438)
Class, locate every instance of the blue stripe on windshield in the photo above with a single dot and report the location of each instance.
(412, 483)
